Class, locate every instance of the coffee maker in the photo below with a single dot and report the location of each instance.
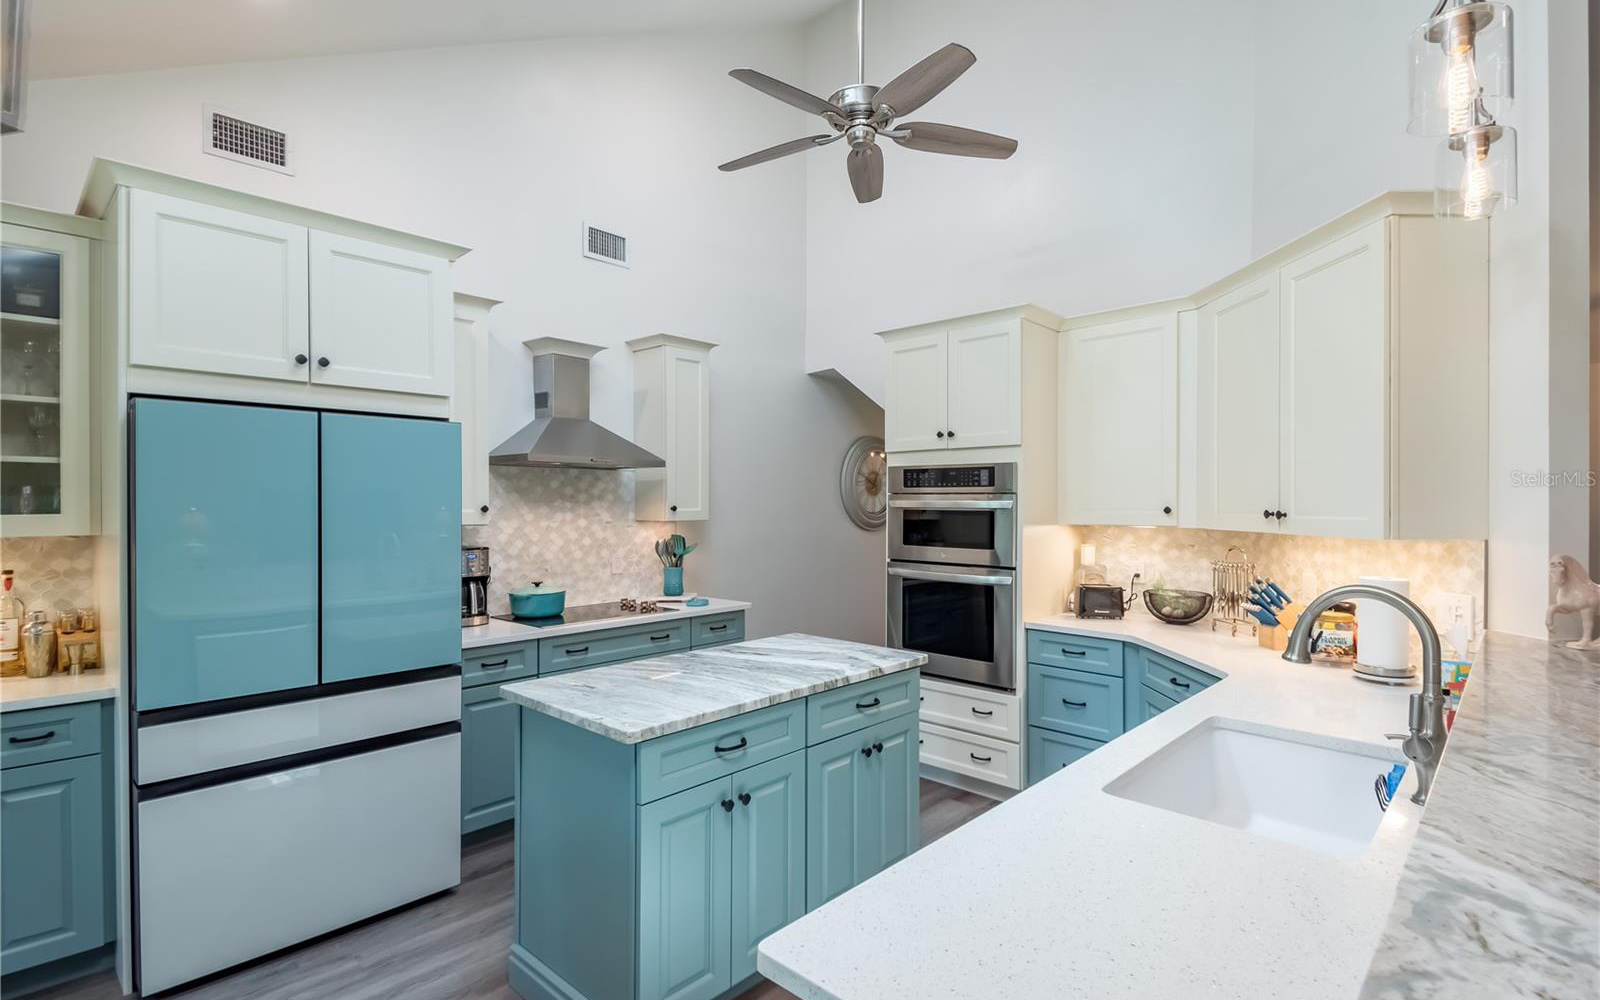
(474, 585)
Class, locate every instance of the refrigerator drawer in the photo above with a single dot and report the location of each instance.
(234, 871)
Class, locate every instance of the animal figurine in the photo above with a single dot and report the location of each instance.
(1575, 592)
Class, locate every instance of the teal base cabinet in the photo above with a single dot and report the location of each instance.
(54, 873)
(488, 758)
(1049, 751)
(652, 871)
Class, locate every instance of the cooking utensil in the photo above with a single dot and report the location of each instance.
(1230, 583)
(537, 601)
(1178, 607)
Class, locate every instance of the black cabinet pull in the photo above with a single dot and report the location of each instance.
(484, 509)
(981, 760)
(300, 359)
(1166, 510)
(950, 434)
(663, 637)
(866, 751)
(1267, 514)
(1074, 704)
(744, 741)
(744, 797)
(496, 665)
(727, 805)
(323, 362)
(717, 628)
(578, 650)
(985, 714)
(1177, 683)
(878, 747)
(673, 508)
(1280, 514)
(34, 739)
(1072, 652)
(874, 703)
(938, 433)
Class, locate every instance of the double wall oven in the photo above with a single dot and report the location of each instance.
(952, 569)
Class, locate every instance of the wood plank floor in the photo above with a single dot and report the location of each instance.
(452, 947)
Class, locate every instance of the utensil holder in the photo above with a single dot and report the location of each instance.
(672, 581)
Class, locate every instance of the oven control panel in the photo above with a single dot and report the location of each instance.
(951, 477)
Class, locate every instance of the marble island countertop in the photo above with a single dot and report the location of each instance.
(642, 699)
(498, 631)
(21, 693)
(1067, 891)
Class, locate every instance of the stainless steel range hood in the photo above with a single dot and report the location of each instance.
(562, 436)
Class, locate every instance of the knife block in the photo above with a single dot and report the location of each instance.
(1278, 638)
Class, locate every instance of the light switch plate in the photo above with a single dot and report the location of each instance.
(1453, 608)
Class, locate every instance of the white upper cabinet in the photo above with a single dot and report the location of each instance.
(214, 290)
(1334, 343)
(956, 385)
(380, 317)
(672, 418)
(916, 411)
(985, 386)
(1238, 409)
(1118, 407)
(469, 403)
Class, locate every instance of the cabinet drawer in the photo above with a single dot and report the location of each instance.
(499, 664)
(1151, 704)
(1049, 752)
(35, 735)
(1075, 701)
(678, 761)
(1100, 656)
(592, 649)
(972, 710)
(975, 756)
(713, 630)
(1172, 678)
(856, 706)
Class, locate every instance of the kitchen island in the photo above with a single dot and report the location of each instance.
(673, 811)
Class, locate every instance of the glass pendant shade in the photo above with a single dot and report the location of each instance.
(1475, 173)
(1461, 69)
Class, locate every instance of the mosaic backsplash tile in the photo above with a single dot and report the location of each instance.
(1303, 565)
(51, 573)
(566, 527)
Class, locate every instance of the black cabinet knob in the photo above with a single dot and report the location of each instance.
(938, 433)
(484, 509)
(1280, 514)
(300, 359)
(744, 798)
(866, 751)
(949, 433)
(1267, 514)
(727, 805)
(323, 362)
(878, 747)
(673, 508)
(1166, 510)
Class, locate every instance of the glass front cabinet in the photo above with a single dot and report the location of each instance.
(45, 404)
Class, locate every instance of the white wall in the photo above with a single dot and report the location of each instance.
(507, 149)
(1131, 181)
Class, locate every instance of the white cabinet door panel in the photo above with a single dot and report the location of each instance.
(380, 317)
(213, 290)
(689, 436)
(469, 403)
(985, 378)
(1335, 390)
(914, 413)
(1119, 422)
(1237, 466)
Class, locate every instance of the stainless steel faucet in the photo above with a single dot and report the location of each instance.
(1425, 744)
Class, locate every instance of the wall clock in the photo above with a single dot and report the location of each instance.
(864, 482)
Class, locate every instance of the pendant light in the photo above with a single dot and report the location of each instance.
(1461, 81)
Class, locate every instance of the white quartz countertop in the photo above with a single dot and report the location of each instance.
(1065, 891)
(19, 693)
(642, 699)
(498, 632)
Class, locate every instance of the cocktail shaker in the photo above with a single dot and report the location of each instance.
(38, 645)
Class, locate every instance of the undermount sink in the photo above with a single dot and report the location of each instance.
(1277, 783)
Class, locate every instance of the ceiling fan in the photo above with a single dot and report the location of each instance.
(861, 114)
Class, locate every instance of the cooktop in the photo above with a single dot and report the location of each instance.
(575, 615)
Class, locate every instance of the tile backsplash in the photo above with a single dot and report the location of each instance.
(51, 573)
(570, 528)
(1303, 565)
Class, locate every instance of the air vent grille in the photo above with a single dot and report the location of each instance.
(603, 244)
(230, 136)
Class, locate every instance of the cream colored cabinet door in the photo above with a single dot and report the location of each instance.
(1334, 365)
(688, 435)
(213, 290)
(915, 414)
(985, 386)
(469, 403)
(1118, 409)
(380, 317)
(1237, 399)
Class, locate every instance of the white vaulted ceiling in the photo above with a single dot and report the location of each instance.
(86, 37)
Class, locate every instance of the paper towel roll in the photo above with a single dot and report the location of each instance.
(1383, 635)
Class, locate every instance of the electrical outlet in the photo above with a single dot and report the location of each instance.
(1457, 610)
(616, 563)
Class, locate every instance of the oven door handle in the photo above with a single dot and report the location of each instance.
(952, 503)
(980, 579)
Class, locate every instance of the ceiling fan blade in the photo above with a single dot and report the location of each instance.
(866, 172)
(931, 137)
(922, 82)
(781, 149)
(783, 92)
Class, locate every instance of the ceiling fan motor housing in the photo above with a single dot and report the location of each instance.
(856, 101)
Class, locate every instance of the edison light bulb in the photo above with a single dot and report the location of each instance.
(1461, 89)
(1477, 182)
